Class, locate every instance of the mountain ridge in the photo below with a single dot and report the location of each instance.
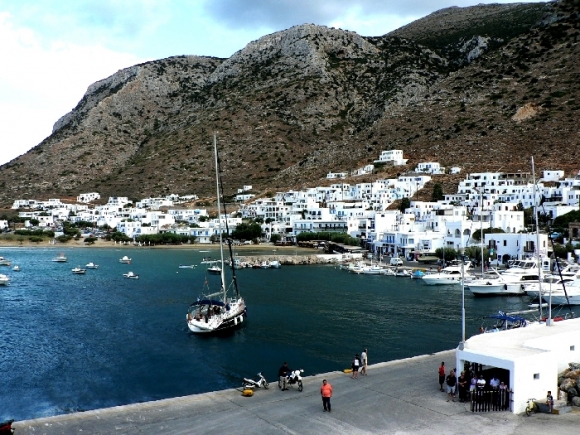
(296, 104)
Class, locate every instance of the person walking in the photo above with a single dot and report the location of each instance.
(451, 381)
(441, 375)
(364, 361)
(326, 393)
(282, 375)
(355, 366)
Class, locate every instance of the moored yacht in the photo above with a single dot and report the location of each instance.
(451, 274)
(560, 297)
(4, 280)
(510, 282)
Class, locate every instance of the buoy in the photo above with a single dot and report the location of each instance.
(348, 370)
(248, 392)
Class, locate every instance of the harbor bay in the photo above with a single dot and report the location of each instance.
(80, 342)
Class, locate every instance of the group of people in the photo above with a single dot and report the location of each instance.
(466, 384)
(359, 363)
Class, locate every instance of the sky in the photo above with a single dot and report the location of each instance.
(52, 50)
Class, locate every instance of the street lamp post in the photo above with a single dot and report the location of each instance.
(462, 343)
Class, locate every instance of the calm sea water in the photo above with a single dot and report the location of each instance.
(79, 342)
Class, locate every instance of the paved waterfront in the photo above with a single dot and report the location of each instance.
(397, 397)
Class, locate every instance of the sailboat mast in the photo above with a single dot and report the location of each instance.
(220, 191)
(217, 184)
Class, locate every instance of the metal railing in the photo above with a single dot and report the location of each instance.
(490, 400)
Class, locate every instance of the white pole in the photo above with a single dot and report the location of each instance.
(462, 344)
(539, 259)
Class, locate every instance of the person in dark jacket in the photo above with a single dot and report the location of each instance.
(451, 382)
(283, 372)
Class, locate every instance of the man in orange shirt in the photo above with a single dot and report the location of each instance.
(326, 393)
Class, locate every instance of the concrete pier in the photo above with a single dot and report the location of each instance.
(397, 397)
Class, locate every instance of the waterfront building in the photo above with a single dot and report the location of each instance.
(527, 359)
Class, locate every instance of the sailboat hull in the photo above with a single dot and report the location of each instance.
(199, 322)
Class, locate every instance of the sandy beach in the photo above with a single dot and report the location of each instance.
(101, 243)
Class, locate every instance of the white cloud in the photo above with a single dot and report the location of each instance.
(40, 81)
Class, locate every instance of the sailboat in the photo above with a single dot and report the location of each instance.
(218, 311)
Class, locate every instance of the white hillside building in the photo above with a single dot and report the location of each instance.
(88, 197)
(394, 157)
(433, 168)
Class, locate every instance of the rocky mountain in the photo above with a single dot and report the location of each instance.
(483, 88)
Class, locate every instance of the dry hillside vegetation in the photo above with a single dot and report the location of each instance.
(483, 88)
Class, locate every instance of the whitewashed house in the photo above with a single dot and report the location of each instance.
(394, 157)
(88, 197)
(433, 168)
(334, 175)
(529, 357)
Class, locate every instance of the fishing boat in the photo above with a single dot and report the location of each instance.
(4, 261)
(4, 280)
(417, 274)
(503, 321)
(214, 269)
(78, 270)
(402, 273)
(60, 258)
(91, 265)
(275, 264)
(131, 275)
(125, 260)
(224, 308)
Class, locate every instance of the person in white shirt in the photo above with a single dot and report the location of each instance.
(494, 383)
(364, 361)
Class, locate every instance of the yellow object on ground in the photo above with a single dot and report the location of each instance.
(248, 392)
(348, 370)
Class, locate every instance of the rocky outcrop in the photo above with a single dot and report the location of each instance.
(568, 383)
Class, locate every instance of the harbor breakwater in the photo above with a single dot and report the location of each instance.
(292, 260)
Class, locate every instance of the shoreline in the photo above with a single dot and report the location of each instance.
(110, 244)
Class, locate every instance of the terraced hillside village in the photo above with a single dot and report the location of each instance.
(483, 88)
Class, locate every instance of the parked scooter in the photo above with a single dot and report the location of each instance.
(261, 382)
(6, 427)
(294, 378)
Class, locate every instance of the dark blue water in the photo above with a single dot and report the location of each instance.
(78, 342)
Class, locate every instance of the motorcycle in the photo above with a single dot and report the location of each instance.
(294, 378)
(6, 427)
(261, 382)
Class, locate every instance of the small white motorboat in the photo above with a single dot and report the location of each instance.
(215, 269)
(125, 260)
(91, 265)
(4, 261)
(78, 270)
(4, 280)
(16, 268)
(60, 258)
(131, 275)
